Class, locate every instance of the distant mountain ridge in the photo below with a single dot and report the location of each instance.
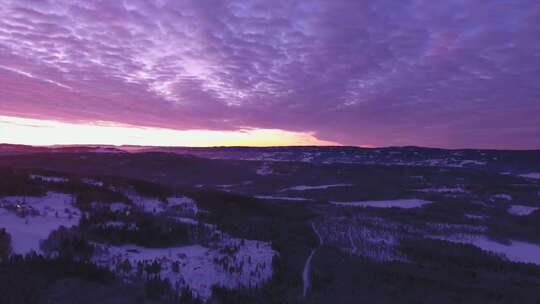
(510, 161)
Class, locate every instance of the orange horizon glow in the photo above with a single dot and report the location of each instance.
(38, 132)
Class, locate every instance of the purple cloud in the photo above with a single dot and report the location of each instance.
(452, 74)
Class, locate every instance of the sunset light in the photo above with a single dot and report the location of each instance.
(16, 130)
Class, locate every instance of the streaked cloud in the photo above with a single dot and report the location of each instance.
(454, 73)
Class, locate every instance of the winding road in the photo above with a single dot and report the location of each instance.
(353, 246)
(307, 266)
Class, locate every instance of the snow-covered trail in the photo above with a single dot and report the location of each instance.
(307, 266)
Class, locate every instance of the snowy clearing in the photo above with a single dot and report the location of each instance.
(31, 219)
(182, 204)
(399, 203)
(230, 263)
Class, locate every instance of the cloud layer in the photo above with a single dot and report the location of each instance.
(456, 73)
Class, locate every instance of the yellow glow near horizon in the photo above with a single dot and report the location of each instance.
(15, 130)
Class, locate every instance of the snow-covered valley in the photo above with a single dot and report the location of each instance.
(283, 230)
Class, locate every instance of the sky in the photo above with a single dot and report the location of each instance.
(454, 74)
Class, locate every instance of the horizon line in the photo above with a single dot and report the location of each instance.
(94, 145)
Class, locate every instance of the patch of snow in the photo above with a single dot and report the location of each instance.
(49, 179)
(448, 229)
(31, 219)
(130, 226)
(114, 224)
(399, 203)
(475, 216)
(118, 207)
(265, 170)
(106, 150)
(147, 204)
(185, 220)
(114, 207)
(284, 198)
(505, 197)
(443, 190)
(185, 204)
(533, 175)
(472, 162)
(303, 187)
(226, 186)
(378, 243)
(522, 210)
(92, 182)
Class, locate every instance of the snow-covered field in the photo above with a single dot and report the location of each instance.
(229, 263)
(31, 219)
(516, 251)
(399, 203)
(521, 209)
(533, 175)
(303, 187)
